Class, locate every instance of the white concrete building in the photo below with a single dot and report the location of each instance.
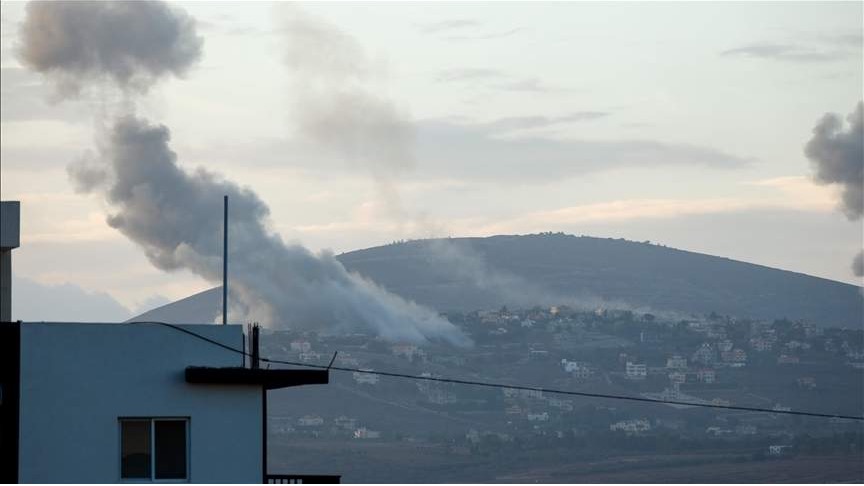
(676, 362)
(110, 403)
(636, 371)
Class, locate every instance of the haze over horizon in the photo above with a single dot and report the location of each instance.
(681, 124)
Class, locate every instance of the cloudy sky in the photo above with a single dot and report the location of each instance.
(683, 124)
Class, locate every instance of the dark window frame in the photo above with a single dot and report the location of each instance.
(152, 423)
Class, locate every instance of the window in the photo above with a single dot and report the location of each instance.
(154, 449)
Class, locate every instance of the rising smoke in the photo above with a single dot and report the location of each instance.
(86, 43)
(339, 105)
(838, 158)
(174, 215)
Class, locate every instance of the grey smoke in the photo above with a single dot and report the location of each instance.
(837, 155)
(175, 217)
(130, 44)
(338, 105)
(858, 265)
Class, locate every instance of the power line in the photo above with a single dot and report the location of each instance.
(503, 385)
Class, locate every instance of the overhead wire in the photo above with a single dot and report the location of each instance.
(488, 384)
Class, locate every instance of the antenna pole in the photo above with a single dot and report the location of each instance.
(225, 263)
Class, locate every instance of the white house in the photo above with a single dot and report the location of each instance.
(636, 371)
(365, 378)
(676, 362)
(110, 403)
(634, 426)
(364, 433)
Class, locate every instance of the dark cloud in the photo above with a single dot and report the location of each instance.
(783, 52)
(825, 48)
(175, 217)
(837, 155)
(131, 44)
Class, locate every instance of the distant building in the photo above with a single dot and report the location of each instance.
(705, 354)
(310, 421)
(365, 378)
(300, 346)
(761, 344)
(734, 357)
(677, 377)
(706, 375)
(635, 426)
(310, 356)
(538, 417)
(778, 450)
(521, 393)
(576, 369)
(344, 422)
(364, 433)
(407, 351)
(807, 382)
(676, 362)
(636, 371)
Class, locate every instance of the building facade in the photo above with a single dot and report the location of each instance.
(109, 403)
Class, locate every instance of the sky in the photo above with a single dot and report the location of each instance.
(683, 124)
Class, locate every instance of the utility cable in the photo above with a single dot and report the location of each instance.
(487, 384)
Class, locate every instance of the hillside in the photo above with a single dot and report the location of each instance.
(481, 273)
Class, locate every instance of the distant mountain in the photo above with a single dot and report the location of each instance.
(482, 273)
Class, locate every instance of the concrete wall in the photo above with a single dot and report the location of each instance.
(10, 237)
(10, 224)
(5, 285)
(78, 379)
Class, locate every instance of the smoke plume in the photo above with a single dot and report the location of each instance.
(858, 265)
(175, 217)
(838, 158)
(338, 105)
(130, 44)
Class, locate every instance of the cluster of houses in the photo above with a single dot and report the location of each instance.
(316, 426)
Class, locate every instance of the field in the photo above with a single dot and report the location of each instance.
(374, 462)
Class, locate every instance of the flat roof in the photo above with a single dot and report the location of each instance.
(268, 378)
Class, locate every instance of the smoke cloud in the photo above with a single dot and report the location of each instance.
(175, 217)
(838, 157)
(338, 105)
(858, 265)
(130, 44)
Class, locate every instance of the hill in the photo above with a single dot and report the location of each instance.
(547, 269)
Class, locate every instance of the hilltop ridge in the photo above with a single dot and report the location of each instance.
(548, 268)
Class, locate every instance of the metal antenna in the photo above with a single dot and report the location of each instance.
(225, 264)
